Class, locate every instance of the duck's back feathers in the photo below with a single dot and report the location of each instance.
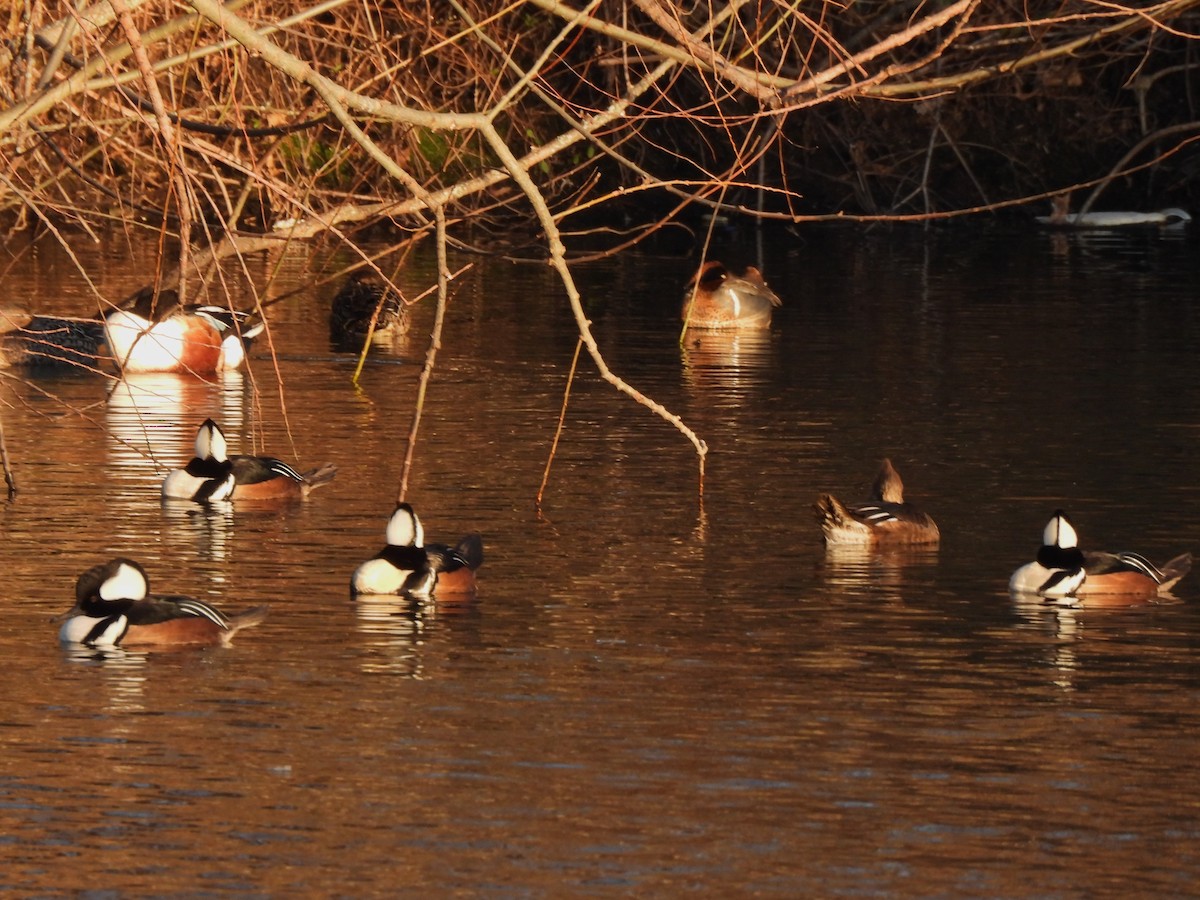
(113, 606)
(357, 303)
(51, 342)
(265, 477)
(716, 298)
(1131, 573)
(469, 551)
(885, 518)
(838, 523)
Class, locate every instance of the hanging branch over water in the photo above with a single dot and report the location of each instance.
(435, 344)
(610, 121)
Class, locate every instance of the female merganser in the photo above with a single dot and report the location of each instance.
(353, 308)
(884, 519)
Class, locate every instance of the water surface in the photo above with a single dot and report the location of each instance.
(654, 692)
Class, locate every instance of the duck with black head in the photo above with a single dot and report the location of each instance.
(212, 474)
(1058, 571)
(114, 607)
(410, 567)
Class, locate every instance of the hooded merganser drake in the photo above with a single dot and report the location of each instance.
(354, 306)
(409, 566)
(1058, 571)
(214, 475)
(718, 299)
(113, 607)
(884, 519)
(209, 474)
(154, 333)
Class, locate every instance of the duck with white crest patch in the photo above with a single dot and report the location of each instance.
(1058, 571)
(114, 607)
(214, 475)
(409, 567)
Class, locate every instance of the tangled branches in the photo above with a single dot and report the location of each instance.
(880, 109)
(226, 127)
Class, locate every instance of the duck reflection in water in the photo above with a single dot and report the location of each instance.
(202, 529)
(122, 673)
(393, 630)
(145, 415)
(896, 571)
(727, 360)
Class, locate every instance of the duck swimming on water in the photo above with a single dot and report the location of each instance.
(153, 332)
(410, 567)
(113, 606)
(884, 519)
(354, 306)
(1062, 569)
(718, 299)
(212, 474)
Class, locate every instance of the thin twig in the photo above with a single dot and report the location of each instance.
(435, 343)
(562, 416)
(9, 478)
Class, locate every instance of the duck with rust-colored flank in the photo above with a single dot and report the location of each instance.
(885, 519)
(1121, 576)
(114, 607)
(356, 304)
(410, 567)
(719, 300)
(1058, 571)
(152, 332)
(1130, 574)
(214, 475)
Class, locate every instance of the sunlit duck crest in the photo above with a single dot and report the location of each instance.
(208, 476)
(884, 519)
(409, 567)
(356, 303)
(153, 333)
(214, 475)
(1058, 571)
(715, 298)
(113, 607)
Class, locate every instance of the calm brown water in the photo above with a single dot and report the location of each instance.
(649, 696)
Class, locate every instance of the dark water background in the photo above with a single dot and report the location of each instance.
(651, 695)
